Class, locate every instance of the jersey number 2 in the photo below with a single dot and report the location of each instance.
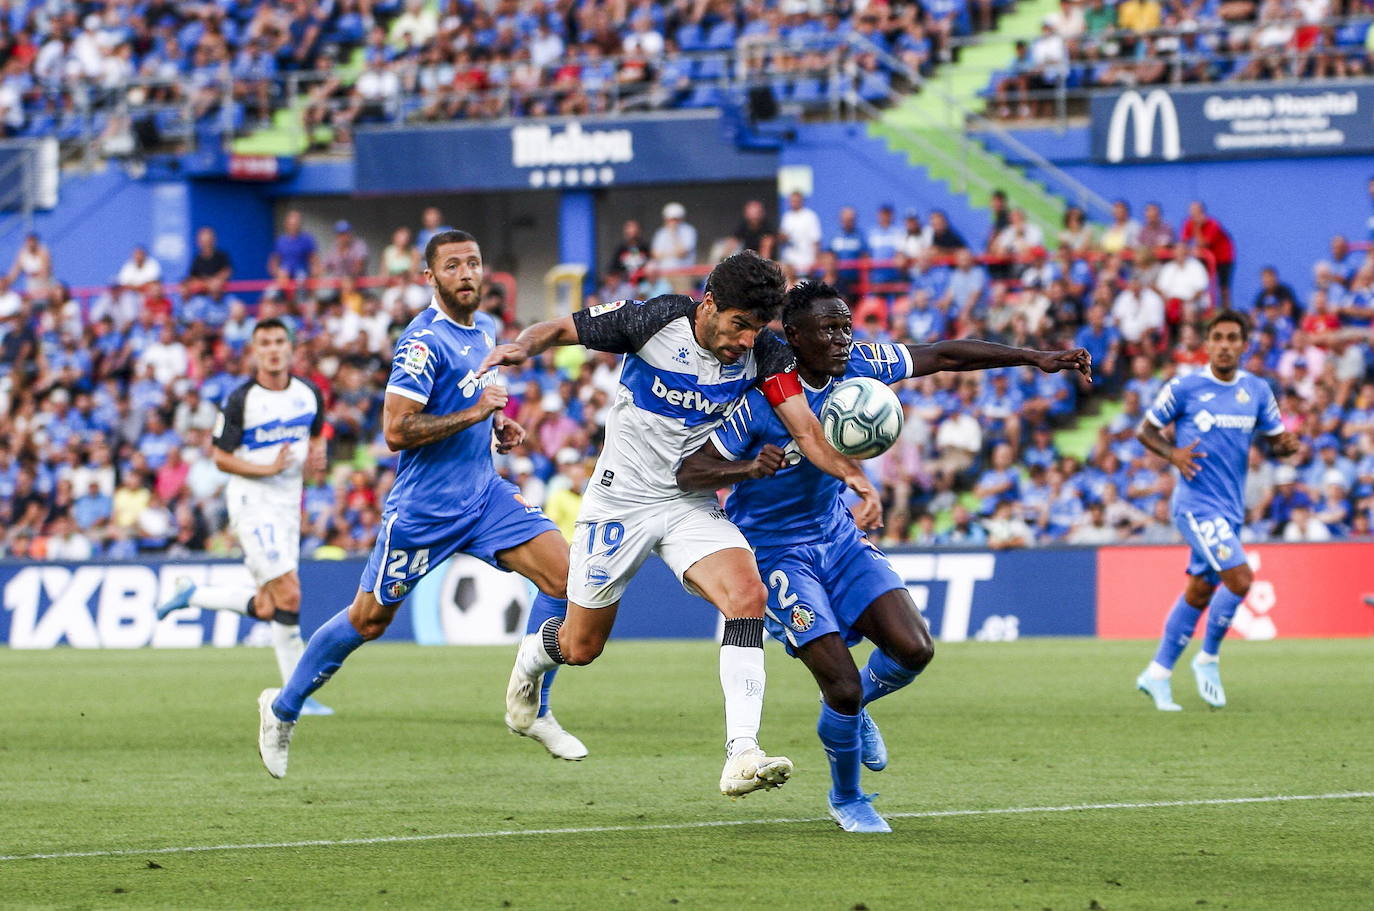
(778, 579)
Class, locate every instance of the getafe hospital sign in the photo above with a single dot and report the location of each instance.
(1161, 125)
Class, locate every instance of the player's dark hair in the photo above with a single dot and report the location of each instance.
(803, 295)
(747, 281)
(274, 322)
(1229, 316)
(445, 237)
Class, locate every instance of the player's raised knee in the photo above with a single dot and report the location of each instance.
(1239, 579)
(844, 694)
(370, 617)
(580, 650)
(915, 655)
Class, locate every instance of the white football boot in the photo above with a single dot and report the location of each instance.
(547, 730)
(274, 735)
(750, 770)
(522, 692)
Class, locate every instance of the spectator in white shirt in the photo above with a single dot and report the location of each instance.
(546, 48)
(1006, 529)
(643, 38)
(139, 271)
(1018, 238)
(167, 356)
(800, 234)
(1092, 527)
(1139, 315)
(1184, 279)
(675, 244)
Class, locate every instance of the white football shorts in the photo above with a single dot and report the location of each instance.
(611, 542)
(271, 540)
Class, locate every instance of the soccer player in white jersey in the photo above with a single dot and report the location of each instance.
(1216, 412)
(686, 365)
(440, 413)
(266, 430)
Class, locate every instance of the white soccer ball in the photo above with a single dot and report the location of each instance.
(861, 417)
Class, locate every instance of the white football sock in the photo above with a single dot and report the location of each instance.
(532, 658)
(742, 679)
(287, 643)
(222, 597)
(1204, 658)
(1157, 671)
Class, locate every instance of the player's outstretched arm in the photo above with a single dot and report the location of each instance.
(801, 423)
(707, 469)
(533, 341)
(972, 354)
(406, 427)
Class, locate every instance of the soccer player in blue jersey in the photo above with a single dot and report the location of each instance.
(1215, 412)
(828, 585)
(441, 411)
(686, 364)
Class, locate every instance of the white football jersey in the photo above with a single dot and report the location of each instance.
(672, 392)
(254, 423)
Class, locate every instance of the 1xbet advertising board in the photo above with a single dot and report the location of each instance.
(558, 154)
(1156, 124)
(973, 595)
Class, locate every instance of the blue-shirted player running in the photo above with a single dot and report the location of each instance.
(1215, 413)
(828, 585)
(440, 412)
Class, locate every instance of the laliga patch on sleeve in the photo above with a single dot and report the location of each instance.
(416, 358)
(599, 309)
(219, 425)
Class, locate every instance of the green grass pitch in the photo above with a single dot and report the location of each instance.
(131, 752)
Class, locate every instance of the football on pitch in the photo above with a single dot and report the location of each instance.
(861, 417)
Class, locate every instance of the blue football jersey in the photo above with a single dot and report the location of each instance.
(436, 364)
(488, 324)
(800, 503)
(1223, 418)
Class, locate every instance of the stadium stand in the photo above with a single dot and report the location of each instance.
(110, 394)
(142, 76)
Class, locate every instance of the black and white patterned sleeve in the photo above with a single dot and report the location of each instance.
(317, 425)
(229, 423)
(774, 355)
(623, 327)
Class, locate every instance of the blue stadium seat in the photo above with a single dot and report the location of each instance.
(689, 38)
(721, 37)
(810, 91)
(705, 95)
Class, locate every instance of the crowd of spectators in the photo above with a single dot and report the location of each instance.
(107, 405)
(136, 72)
(1090, 44)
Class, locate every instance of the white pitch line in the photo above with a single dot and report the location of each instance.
(659, 827)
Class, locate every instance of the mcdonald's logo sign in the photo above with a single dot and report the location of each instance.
(1140, 113)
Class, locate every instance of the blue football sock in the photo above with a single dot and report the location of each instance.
(840, 736)
(1178, 630)
(882, 676)
(325, 651)
(1224, 605)
(542, 609)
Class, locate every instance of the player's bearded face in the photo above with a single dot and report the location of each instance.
(457, 275)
